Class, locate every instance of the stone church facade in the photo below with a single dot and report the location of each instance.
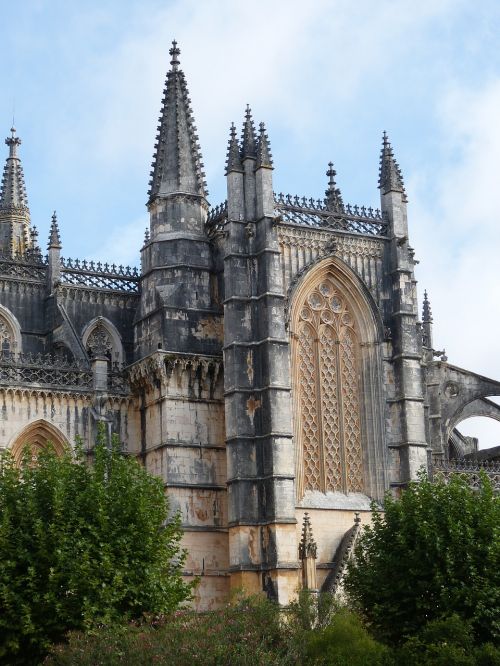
(267, 360)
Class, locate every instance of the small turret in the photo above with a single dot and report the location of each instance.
(333, 197)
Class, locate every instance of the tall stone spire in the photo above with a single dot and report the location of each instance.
(390, 177)
(15, 236)
(177, 164)
(248, 136)
(333, 197)
(233, 160)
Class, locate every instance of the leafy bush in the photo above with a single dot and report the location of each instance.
(81, 545)
(433, 553)
(344, 642)
(249, 633)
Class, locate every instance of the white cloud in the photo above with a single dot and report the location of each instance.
(455, 227)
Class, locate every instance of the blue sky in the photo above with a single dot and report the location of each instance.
(327, 77)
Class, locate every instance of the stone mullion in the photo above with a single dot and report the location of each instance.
(319, 408)
(340, 395)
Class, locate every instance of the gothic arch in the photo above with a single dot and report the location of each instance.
(10, 332)
(336, 335)
(108, 329)
(36, 435)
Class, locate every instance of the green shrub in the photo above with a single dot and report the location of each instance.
(344, 642)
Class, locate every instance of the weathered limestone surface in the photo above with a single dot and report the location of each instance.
(266, 362)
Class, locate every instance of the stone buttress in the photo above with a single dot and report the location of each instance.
(260, 458)
(407, 441)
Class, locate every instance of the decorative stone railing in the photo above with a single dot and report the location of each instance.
(99, 275)
(471, 468)
(31, 266)
(315, 213)
(46, 370)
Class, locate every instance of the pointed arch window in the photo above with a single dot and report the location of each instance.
(7, 340)
(328, 391)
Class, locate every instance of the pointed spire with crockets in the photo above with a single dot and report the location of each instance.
(390, 177)
(248, 137)
(333, 197)
(13, 192)
(427, 323)
(263, 149)
(177, 165)
(426, 310)
(233, 160)
(307, 545)
(54, 237)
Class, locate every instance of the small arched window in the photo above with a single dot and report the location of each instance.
(6, 338)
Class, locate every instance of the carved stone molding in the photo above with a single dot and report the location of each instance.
(189, 374)
(319, 240)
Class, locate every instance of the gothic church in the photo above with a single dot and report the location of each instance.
(267, 360)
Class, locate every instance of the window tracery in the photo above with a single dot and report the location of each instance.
(6, 337)
(328, 392)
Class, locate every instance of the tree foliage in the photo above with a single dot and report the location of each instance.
(82, 544)
(433, 553)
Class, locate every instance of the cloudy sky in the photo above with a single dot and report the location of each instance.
(84, 80)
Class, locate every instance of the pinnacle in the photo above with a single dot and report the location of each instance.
(54, 237)
(390, 177)
(307, 546)
(333, 196)
(248, 136)
(233, 160)
(264, 157)
(177, 165)
(426, 310)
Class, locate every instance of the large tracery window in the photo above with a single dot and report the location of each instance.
(327, 380)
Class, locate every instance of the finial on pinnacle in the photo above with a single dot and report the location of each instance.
(174, 52)
(13, 141)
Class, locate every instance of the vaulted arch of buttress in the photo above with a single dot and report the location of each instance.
(336, 363)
